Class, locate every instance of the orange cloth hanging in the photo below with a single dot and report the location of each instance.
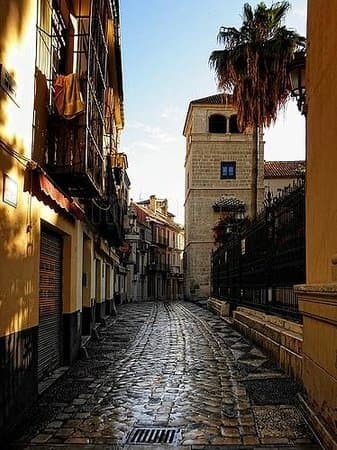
(67, 96)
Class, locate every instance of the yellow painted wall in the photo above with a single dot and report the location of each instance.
(17, 54)
(18, 276)
(20, 255)
(322, 141)
(20, 225)
(18, 280)
(318, 298)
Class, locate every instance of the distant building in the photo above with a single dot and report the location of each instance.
(139, 239)
(278, 175)
(218, 179)
(155, 250)
(163, 266)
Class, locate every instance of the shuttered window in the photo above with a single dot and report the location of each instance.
(50, 307)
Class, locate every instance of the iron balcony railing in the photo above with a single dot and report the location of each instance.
(258, 263)
(75, 148)
(157, 267)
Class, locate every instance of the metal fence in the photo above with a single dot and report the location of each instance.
(258, 262)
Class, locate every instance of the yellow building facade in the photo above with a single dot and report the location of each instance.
(318, 298)
(59, 252)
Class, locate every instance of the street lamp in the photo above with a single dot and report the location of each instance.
(297, 80)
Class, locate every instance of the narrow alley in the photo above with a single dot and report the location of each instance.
(168, 365)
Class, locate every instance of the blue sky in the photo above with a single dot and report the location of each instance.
(165, 46)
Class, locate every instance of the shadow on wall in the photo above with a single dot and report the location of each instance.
(18, 335)
(18, 315)
(16, 236)
(18, 231)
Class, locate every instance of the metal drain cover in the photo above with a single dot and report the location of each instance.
(151, 435)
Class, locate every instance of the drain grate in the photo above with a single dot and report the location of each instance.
(150, 435)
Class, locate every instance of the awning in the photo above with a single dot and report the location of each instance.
(231, 204)
(47, 192)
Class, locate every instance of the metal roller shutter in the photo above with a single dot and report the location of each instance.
(50, 309)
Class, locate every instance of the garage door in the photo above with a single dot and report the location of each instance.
(50, 309)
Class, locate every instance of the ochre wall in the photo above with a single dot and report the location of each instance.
(20, 225)
(20, 256)
(17, 54)
(321, 141)
(18, 279)
(318, 298)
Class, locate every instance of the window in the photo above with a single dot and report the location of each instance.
(233, 125)
(228, 169)
(217, 124)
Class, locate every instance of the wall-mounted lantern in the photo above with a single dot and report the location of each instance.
(297, 79)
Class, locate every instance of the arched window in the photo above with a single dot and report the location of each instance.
(233, 124)
(217, 124)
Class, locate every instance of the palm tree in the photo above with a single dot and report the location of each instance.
(253, 67)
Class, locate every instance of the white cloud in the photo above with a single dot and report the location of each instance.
(154, 133)
(172, 112)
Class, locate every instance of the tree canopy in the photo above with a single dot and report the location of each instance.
(253, 65)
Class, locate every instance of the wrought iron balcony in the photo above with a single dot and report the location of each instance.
(108, 220)
(107, 212)
(76, 144)
(157, 267)
(74, 157)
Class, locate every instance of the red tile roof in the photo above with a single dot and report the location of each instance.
(282, 169)
(217, 99)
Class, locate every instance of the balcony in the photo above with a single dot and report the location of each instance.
(76, 143)
(107, 213)
(74, 157)
(162, 241)
(157, 267)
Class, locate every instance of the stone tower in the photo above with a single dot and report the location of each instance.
(218, 175)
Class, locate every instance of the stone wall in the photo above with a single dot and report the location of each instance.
(282, 339)
(204, 153)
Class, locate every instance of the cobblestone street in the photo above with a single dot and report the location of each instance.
(169, 365)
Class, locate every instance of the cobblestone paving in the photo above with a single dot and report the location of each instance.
(169, 364)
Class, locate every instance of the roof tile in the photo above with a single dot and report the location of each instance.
(217, 99)
(282, 169)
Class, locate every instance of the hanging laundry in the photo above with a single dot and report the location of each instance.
(67, 96)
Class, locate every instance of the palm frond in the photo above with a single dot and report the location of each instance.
(253, 63)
